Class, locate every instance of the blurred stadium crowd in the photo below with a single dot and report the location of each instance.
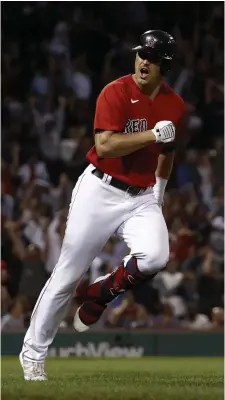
(56, 57)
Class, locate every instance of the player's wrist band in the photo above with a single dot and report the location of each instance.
(159, 188)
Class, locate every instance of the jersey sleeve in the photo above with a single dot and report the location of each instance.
(179, 115)
(177, 121)
(111, 109)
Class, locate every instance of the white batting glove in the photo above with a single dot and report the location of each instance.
(164, 132)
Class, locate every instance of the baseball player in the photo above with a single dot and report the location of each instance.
(121, 192)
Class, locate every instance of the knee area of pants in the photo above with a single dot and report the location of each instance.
(61, 286)
(154, 260)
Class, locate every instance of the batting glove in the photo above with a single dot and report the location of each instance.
(164, 132)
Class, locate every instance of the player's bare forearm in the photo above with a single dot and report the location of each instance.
(110, 144)
(165, 165)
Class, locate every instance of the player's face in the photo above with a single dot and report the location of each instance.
(146, 72)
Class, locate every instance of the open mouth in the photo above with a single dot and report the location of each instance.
(144, 72)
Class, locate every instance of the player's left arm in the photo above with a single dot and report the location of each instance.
(163, 171)
(165, 163)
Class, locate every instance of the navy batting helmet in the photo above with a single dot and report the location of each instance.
(158, 47)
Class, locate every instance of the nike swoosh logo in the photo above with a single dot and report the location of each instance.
(134, 101)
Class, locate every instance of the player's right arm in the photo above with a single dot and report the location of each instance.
(111, 144)
(110, 120)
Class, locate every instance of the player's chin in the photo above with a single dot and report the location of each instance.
(144, 81)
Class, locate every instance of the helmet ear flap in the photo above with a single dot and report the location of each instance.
(165, 66)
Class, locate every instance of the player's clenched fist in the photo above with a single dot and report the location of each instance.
(164, 131)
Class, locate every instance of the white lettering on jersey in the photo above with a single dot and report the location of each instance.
(136, 125)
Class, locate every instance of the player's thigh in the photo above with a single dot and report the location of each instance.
(146, 235)
(91, 221)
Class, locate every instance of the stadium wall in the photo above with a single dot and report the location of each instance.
(125, 344)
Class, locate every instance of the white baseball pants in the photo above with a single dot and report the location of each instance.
(97, 211)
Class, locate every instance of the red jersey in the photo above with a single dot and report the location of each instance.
(122, 107)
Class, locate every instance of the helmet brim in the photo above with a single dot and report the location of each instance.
(137, 48)
(149, 50)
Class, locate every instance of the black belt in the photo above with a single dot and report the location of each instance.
(132, 190)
